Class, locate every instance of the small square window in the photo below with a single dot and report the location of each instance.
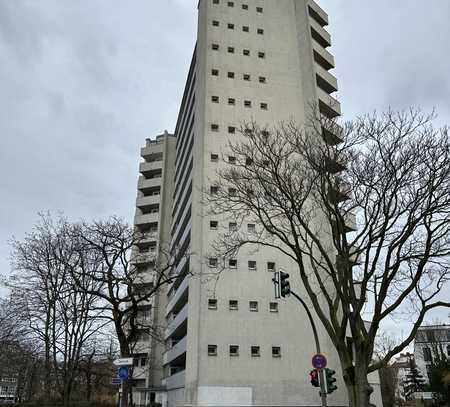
(214, 158)
(233, 305)
(231, 101)
(252, 265)
(232, 191)
(245, 28)
(212, 350)
(215, 1)
(231, 74)
(253, 306)
(213, 262)
(212, 303)
(246, 52)
(259, 9)
(232, 226)
(231, 50)
(265, 133)
(214, 72)
(232, 263)
(231, 159)
(260, 31)
(234, 350)
(276, 351)
(270, 266)
(214, 127)
(251, 228)
(262, 79)
(230, 26)
(230, 4)
(231, 129)
(215, 47)
(215, 23)
(261, 55)
(255, 351)
(215, 99)
(214, 189)
(273, 307)
(247, 103)
(263, 106)
(213, 224)
(246, 77)
(245, 7)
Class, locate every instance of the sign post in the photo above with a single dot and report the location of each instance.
(122, 373)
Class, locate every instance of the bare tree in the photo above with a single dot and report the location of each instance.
(363, 210)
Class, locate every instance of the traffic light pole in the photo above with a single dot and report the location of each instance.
(323, 392)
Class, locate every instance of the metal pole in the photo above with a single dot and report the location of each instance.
(323, 393)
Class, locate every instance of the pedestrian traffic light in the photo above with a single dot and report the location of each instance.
(330, 379)
(285, 287)
(314, 378)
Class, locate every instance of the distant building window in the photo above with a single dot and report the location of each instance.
(253, 306)
(215, 1)
(212, 350)
(231, 75)
(214, 127)
(246, 77)
(270, 266)
(215, 99)
(232, 263)
(427, 355)
(215, 23)
(260, 31)
(448, 350)
(213, 262)
(245, 28)
(232, 191)
(234, 350)
(262, 79)
(276, 351)
(232, 226)
(247, 103)
(263, 106)
(214, 158)
(252, 265)
(259, 9)
(248, 161)
(230, 26)
(214, 189)
(261, 55)
(245, 7)
(143, 361)
(251, 228)
(231, 101)
(213, 224)
(233, 305)
(214, 72)
(215, 47)
(231, 129)
(255, 352)
(230, 4)
(273, 307)
(231, 159)
(231, 50)
(212, 303)
(246, 52)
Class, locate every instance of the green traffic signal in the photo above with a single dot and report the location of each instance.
(330, 380)
(285, 287)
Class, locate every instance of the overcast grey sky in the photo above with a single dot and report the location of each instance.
(84, 82)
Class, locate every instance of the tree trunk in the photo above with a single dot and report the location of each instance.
(358, 387)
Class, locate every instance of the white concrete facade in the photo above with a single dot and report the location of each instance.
(229, 342)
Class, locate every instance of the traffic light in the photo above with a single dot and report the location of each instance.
(330, 379)
(285, 287)
(314, 378)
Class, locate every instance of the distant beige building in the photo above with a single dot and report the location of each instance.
(232, 343)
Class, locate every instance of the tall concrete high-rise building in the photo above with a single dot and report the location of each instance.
(228, 341)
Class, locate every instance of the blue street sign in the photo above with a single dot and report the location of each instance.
(116, 381)
(123, 372)
(319, 361)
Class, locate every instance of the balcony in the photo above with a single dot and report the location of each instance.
(143, 259)
(176, 322)
(175, 352)
(143, 202)
(151, 183)
(322, 56)
(320, 34)
(339, 192)
(350, 223)
(332, 133)
(147, 218)
(179, 295)
(150, 167)
(316, 12)
(181, 265)
(153, 152)
(328, 105)
(147, 237)
(176, 381)
(325, 80)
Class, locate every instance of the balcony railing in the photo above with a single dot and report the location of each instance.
(328, 105)
(316, 12)
(322, 56)
(319, 33)
(176, 351)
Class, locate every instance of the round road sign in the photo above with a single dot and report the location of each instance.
(123, 372)
(319, 361)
